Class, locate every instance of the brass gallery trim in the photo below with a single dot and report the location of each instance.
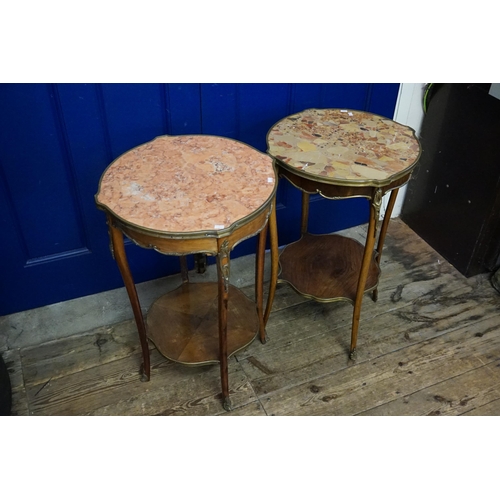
(328, 300)
(344, 182)
(194, 234)
(341, 182)
(190, 252)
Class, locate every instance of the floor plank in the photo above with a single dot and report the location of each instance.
(59, 358)
(310, 348)
(371, 383)
(12, 359)
(463, 393)
(428, 346)
(488, 410)
(115, 388)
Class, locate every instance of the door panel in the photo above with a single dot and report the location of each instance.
(134, 114)
(38, 173)
(57, 139)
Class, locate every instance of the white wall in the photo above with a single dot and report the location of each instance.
(495, 90)
(409, 111)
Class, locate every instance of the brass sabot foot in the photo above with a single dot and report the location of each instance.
(144, 376)
(227, 404)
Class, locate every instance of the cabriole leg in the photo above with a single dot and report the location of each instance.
(273, 236)
(365, 266)
(223, 295)
(259, 281)
(305, 212)
(184, 269)
(383, 232)
(118, 251)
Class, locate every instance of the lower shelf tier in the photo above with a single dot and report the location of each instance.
(326, 267)
(184, 323)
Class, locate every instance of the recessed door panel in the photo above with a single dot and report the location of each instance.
(38, 173)
(57, 139)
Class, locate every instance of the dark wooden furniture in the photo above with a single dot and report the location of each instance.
(340, 154)
(459, 174)
(194, 194)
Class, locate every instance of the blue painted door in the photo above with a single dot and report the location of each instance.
(56, 140)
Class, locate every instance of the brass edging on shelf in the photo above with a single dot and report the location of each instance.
(203, 363)
(208, 362)
(332, 299)
(329, 300)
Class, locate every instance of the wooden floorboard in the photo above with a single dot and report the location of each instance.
(430, 345)
(467, 392)
(377, 381)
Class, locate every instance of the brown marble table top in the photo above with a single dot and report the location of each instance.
(344, 146)
(187, 183)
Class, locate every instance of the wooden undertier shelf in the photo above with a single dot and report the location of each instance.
(326, 267)
(183, 324)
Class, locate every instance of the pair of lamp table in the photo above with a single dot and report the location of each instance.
(205, 194)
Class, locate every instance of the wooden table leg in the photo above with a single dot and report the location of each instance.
(118, 250)
(259, 281)
(365, 265)
(184, 269)
(383, 232)
(273, 236)
(223, 295)
(305, 213)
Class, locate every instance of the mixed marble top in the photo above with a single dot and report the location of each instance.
(187, 183)
(343, 145)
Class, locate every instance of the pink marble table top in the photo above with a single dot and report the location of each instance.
(187, 183)
(344, 146)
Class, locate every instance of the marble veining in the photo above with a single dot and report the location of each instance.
(187, 183)
(343, 144)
